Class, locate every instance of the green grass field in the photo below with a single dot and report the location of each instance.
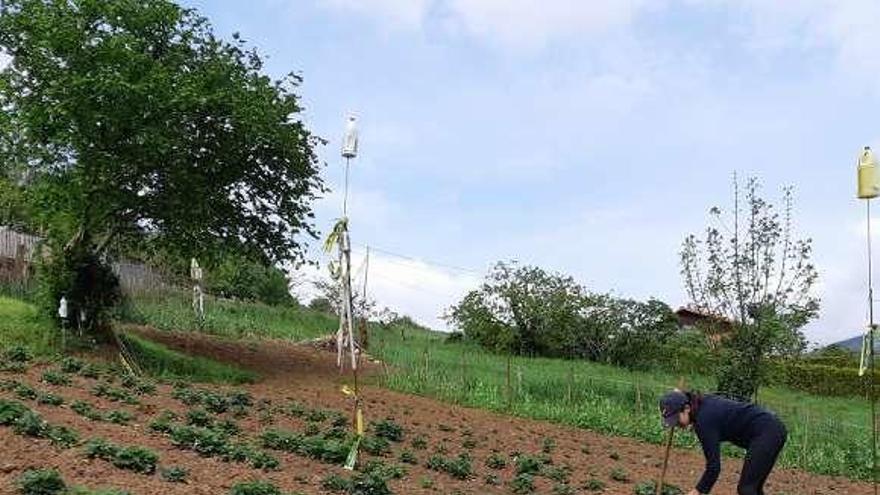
(226, 318)
(160, 362)
(22, 324)
(826, 435)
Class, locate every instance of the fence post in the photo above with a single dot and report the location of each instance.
(509, 396)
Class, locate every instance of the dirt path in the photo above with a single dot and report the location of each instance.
(309, 376)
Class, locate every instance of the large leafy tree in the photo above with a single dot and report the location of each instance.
(752, 269)
(129, 121)
(527, 310)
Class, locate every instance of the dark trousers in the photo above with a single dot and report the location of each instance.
(761, 456)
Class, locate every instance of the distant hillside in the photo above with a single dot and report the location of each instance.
(853, 344)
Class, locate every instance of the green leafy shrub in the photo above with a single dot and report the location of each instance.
(174, 474)
(90, 370)
(31, 424)
(388, 430)
(140, 386)
(41, 482)
(523, 484)
(369, 483)
(492, 479)
(548, 445)
(255, 488)
(55, 378)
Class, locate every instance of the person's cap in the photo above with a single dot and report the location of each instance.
(671, 404)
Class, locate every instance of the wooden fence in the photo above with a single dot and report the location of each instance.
(18, 252)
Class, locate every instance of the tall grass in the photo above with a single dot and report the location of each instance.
(227, 318)
(164, 363)
(826, 435)
(22, 324)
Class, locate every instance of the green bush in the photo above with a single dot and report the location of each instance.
(98, 448)
(204, 441)
(594, 485)
(369, 483)
(619, 474)
(119, 417)
(255, 488)
(375, 445)
(18, 354)
(821, 379)
(406, 456)
(41, 482)
(164, 422)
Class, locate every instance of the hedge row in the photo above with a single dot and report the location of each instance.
(822, 379)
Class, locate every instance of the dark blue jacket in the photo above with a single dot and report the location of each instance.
(723, 420)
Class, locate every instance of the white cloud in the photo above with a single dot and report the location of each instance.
(527, 23)
(421, 290)
(513, 23)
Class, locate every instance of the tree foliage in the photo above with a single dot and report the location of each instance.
(129, 119)
(751, 269)
(527, 310)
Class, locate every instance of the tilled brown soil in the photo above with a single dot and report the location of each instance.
(308, 376)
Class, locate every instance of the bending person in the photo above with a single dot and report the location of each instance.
(714, 420)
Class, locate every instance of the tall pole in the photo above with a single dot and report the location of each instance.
(871, 329)
(868, 188)
(345, 195)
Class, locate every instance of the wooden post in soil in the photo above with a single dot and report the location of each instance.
(509, 393)
(662, 480)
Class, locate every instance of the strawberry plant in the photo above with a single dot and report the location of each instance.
(650, 487)
(55, 378)
(336, 483)
(496, 461)
(619, 474)
(523, 484)
(255, 488)
(41, 482)
(388, 430)
(174, 474)
(71, 365)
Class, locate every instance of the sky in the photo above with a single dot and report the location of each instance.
(588, 138)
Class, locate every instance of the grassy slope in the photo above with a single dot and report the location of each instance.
(22, 324)
(233, 319)
(828, 436)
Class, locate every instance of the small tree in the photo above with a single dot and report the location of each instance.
(752, 270)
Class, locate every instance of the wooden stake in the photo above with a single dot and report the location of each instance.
(662, 480)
